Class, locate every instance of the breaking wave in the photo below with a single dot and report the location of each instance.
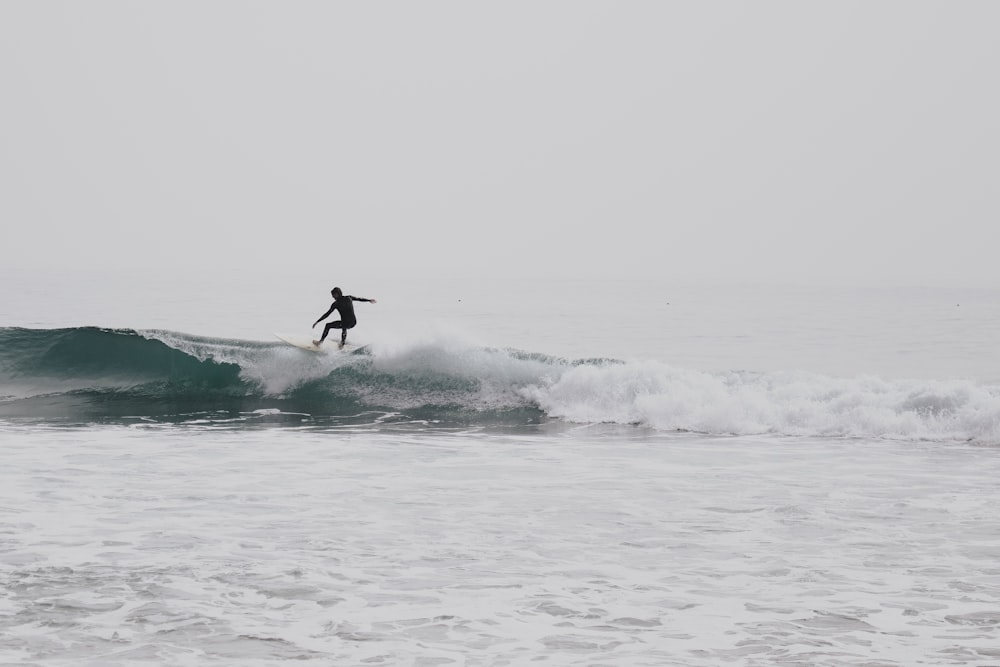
(94, 374)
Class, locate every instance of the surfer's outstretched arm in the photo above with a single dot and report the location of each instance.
(358, 298)
(323, 316)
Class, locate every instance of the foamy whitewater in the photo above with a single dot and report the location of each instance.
(557, 472)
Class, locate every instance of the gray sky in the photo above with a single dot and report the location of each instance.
(774, 141)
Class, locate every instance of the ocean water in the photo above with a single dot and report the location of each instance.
(502, 472)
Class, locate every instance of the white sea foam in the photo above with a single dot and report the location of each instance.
(658, 395)
(576, 546)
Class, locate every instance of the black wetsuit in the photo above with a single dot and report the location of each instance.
(344, 304)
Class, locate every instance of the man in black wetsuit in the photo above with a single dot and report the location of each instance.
(345, 306)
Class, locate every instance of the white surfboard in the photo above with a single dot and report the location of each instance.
(306, 343)
(301, 342)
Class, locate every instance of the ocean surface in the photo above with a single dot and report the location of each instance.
(498, 472)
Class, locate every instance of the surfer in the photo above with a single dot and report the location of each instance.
(345, 306)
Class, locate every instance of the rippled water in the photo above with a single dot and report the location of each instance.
(575, 546)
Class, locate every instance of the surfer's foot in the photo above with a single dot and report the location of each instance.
(341, 345)
(317, 342)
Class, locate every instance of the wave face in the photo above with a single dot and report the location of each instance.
(93, 374)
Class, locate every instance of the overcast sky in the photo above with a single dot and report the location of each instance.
(781, 141)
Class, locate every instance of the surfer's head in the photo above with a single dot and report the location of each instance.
(336, 292)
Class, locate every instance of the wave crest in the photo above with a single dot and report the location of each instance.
(93, 373)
